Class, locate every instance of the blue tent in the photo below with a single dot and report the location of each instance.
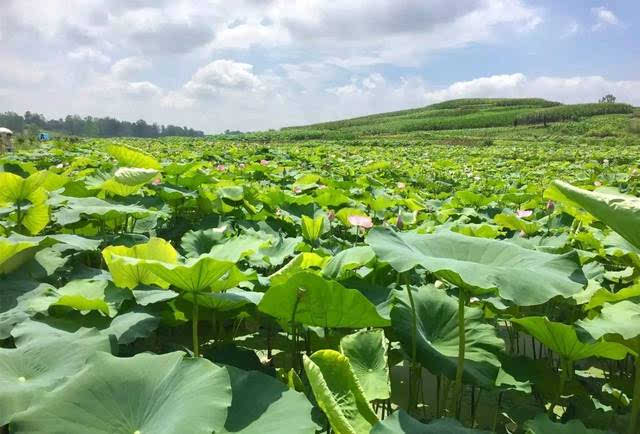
(43, 136)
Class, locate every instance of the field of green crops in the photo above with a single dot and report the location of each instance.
(400, 273)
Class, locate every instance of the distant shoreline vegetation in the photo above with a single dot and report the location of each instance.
(74, 125)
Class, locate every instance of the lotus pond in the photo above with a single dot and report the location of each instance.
(213, 286)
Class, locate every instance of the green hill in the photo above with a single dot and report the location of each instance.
(450, 115)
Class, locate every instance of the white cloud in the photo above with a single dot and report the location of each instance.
(369, 32)
(88, 54)
(142, 89)
(604, 17)
(222, 75)
(155, 30)
(572, 28)
(130, 66)
(579, 89)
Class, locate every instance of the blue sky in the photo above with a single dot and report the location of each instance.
(256, 64)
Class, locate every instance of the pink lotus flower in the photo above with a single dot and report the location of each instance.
(331, 215)
(241, 165)
(523, 213)
(264, 162)
(360, 221)
(297, 189)
(598, 184)
(156, 181)
(220, 167)
(401, 185)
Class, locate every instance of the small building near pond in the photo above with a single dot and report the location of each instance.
(5, 140)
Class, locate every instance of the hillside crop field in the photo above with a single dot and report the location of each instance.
(472, 266)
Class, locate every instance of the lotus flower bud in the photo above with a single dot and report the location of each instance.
(550, 206)
(399, 222)
(331, 215)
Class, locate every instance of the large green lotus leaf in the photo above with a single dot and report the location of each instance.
(51, 181)
(305, 261)
(563, 340)
(482, 230)
(523, 276)
(513, 222)
(543, 425)
(401, 423)
(36, 214)
(602, 296)
(232, 193)
(88, 294)
(20, 300)
(131, 326)
(128, 274)
(146, 393)
(15, 253)
(237, 248)
(338, 392)
(367, 353)
(195, 275)
(170, 193)
(73, 209)
(39, 363)
(619, 211)
(263, 405)
(276, 253)
(15, 188)
(145, 296)
(133, 158)
(107, 182)
(134, 176)
(232, 299)
(621, 318)
(437, 336)
(312, 227)
(329, 197)
(321, 303)
(196, 243)
(177, 169)
(233, 278)
(70, 242)
(347, 260)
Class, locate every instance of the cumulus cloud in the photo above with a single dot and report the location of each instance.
(604, 18)
(162, 31)
(130, 66)
(577, 89)
(221, 75)
(572, 28)
(88, 54)
(369, 32)
(142, 89)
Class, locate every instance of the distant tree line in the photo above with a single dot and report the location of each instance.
(92, 127)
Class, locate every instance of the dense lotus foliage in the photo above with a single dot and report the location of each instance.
(202, 286)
